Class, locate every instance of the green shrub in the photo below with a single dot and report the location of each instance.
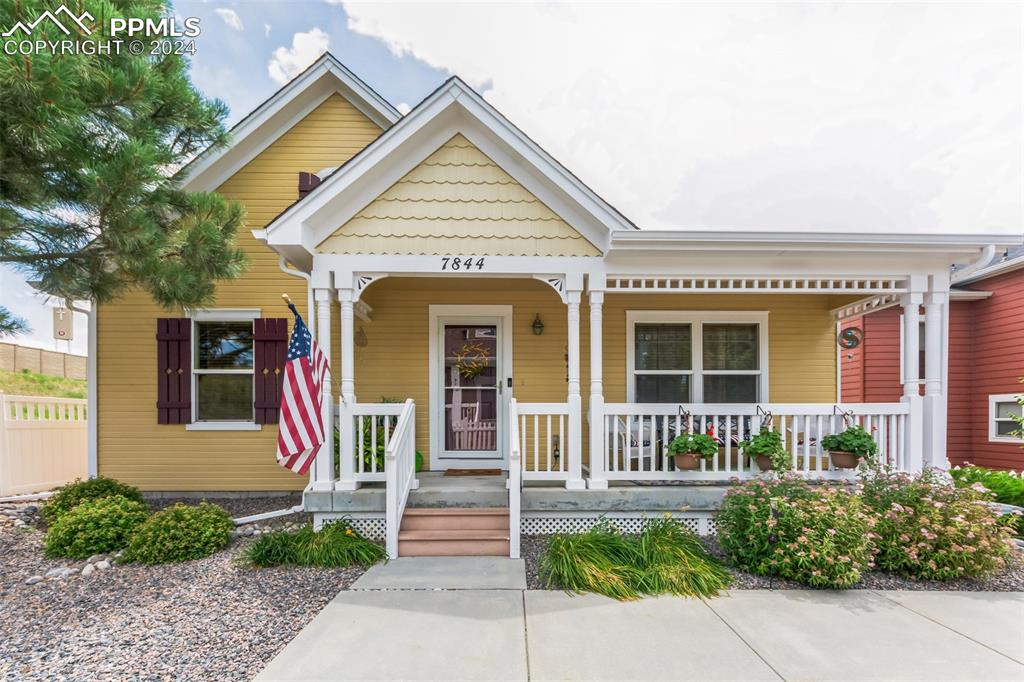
(94, 527)
(69, 496)
(181, 533)
(933, 530)
(664, 558)
(335, 545)
(767, 443)
(1007, 486)
(854, 440)
(819, 535)
(693, 443)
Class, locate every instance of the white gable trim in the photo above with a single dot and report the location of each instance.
(452, 109)
(289, 105)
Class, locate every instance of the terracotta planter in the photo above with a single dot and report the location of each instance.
(686, 461)
(764, 462)
(843, 460)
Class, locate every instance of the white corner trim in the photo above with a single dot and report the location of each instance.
(993, 400)
(697, 318)
(223, 426)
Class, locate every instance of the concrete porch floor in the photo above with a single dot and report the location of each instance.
(440, 491)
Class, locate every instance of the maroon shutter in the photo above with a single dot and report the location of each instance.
(174, 370)
(270, 341)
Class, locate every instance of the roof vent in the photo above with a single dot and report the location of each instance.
(307, 183)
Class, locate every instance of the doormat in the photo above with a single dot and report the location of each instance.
(472, 472)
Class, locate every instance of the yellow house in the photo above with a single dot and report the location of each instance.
(484, 308)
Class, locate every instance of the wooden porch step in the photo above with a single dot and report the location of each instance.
(483, 518)
(453, 543)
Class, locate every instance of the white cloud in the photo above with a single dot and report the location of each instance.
(403, 108)
(287, 62)
(811, 116)
(230, 18)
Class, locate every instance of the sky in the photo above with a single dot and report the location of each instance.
(865, 117)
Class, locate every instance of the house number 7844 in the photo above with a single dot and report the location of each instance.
(462, 263)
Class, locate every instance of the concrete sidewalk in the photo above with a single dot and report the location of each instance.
(422, 632)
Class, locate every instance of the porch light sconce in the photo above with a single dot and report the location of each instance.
(360, 338)
(537, 326)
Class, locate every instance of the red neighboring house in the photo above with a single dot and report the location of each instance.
(986, 362)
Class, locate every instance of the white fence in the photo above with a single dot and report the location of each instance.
(637, 436)
(43, 443)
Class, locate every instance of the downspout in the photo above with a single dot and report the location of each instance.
(310, 317)
(984, 259)
(91, 391)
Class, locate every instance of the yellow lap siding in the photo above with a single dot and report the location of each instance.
(132, 446)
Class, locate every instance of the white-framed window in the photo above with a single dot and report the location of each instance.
(1003, 412)
(223, 370)
(676, 356)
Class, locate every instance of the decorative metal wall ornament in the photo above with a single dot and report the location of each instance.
(850, 338)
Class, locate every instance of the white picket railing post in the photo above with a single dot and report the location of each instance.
(515, 480)
(574, 448)
(346, 426)
(911, 381)
(597, 481)
(399, 474)
(322, 478)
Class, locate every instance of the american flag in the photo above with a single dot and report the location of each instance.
(301, 430)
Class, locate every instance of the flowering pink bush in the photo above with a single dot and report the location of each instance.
(927, 528)
(817, 534)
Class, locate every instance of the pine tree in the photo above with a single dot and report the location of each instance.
(91, 148)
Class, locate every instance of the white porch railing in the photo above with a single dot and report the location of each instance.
(400, 473)
(515, 480)
(543, 438)
(373, 427)
(637, 436)
(43, 443)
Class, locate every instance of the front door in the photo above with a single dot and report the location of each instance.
(471, 391)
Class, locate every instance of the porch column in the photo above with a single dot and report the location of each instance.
(597, 480)
(913, 442)
(936, 323)
(574, 287)
(323, 475)
(346, 449)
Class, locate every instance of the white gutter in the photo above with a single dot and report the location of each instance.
(310, 317)
(639, 240)
(987, 254)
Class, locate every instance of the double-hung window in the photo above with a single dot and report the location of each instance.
(1004, 413)
(697, 357)
(223, 369)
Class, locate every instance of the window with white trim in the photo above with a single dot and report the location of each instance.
(223, 367)
(697, 357)
(1004, 413)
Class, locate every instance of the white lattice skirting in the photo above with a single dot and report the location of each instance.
(548, 523)
(371, 526)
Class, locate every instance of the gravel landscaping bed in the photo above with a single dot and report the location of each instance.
(1010, 580)
(237, 507)
(201, 620)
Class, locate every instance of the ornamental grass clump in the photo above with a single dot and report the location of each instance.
(819, 535)
(665, 558)
(71, 495)
(930, 529)
(336, 545)
(94, 527)
(181, 533)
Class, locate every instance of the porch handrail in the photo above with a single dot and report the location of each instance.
(515, 479)
(751, 409)
(399, 473)
(543, 431)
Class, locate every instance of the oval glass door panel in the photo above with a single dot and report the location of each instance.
(470, 388)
